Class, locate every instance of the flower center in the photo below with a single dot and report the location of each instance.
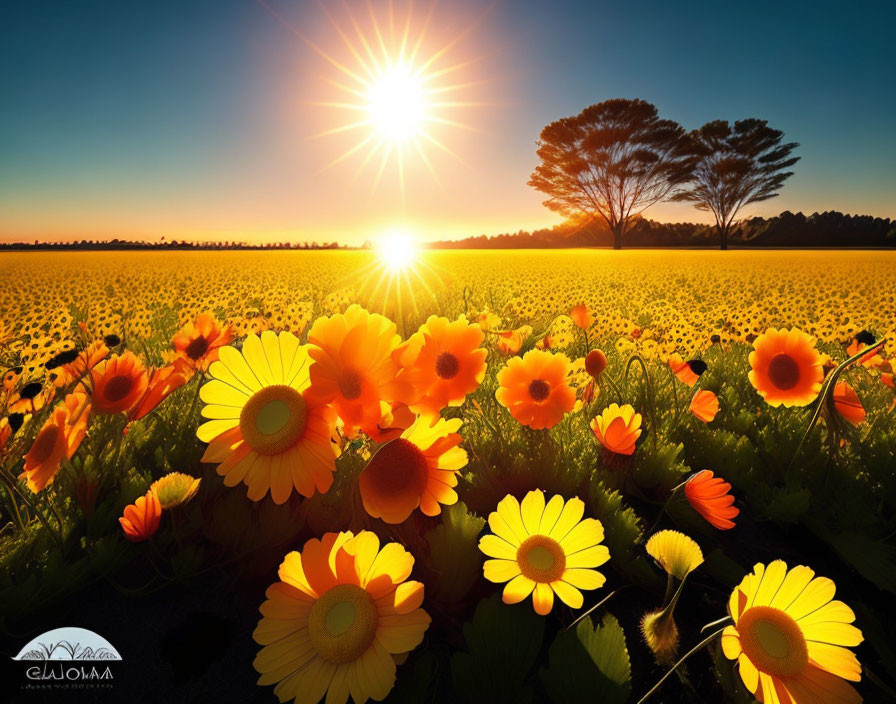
(784, 372)
(197, 348)
(44, 444)
(118, 387)
(350, 384)
(447, 365)
(398, 467)
(773, 641)
(541, 559)
(273, 419)
(539, 390)
(342, 623)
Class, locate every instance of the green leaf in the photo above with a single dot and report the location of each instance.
(503, 642)
(454, 558)
(589, 664)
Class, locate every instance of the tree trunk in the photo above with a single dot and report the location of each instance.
(723, 235)
(617, 236)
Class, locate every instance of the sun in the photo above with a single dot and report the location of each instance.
(396, 250)
(396, 103)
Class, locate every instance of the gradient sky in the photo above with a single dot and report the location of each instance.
(197, 118)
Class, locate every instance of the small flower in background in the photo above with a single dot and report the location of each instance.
(535, 388)
(161, 383)
(341, 614)
(860, 342)
(544, 549)
(791, 638)
(117, 383)
(264, 419)
(618, 428)
(704, 405)
(675, 552)
(661, 635)
(442, 362)
(581, 316)
(197, 342)
(708, 495)
(511, 341)
(595, 363)
(687, 372)
(58, 439)
(419, 468)
(69, 372)
(785, 367)
(353, 369)
(175, 489)
(141, 518)
(847, 403)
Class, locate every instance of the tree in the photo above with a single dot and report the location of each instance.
(611, 161)
(736, 166)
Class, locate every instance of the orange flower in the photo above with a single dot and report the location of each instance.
(59, 438)
(511, 341)
(353, 368)
(69, 372)
(162, 382)
(595, 363)
(417, 469)
(704, 405)
(860, 342)
(197, 343)
(617, 428)
(443, 362)
(786, 368)
(118, 383)
(887, 378)
(395, 419)
(687, 372)
(141, 518)
(708, 495)
(847, 403)
(535, 388)
(581, 316)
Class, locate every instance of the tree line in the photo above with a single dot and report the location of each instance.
(617, 158)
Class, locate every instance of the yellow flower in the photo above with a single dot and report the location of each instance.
(790, 637)
(335, 622)
(175, 489)
(544, 549)
(675, 552)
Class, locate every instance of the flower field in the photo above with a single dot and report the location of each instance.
(500, 476)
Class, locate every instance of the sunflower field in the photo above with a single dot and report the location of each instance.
(499, 476)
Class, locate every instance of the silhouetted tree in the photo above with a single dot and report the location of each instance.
(737, 165)
(613, 160)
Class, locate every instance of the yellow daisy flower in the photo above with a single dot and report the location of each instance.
(175, 489)
(544, 549)
(266, 429)
(790, 637)
(335, 622)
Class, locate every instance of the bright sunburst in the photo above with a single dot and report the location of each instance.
(398, 87)
(397, 251)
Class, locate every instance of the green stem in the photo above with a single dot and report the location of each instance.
(702, 644)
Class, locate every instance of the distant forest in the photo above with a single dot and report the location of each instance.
(787, 230)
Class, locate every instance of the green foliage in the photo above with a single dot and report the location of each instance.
(589, 663)
(502, 645)
(454, 557)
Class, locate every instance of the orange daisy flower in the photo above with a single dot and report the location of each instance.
(708, 495)
(704, 405)
(341, 615)
(118, 383)
(86, 360)
(581, 316)
(687, 372)
(847, 403)
(419, 468)
(162, 382)
(266, 428)
(197, 343)
(535, 388)
(141, 518)
(59, 438)
(786, 368)
(860, 342)
(443, 362)
(510, 342)
(617, 428)
(353, 368)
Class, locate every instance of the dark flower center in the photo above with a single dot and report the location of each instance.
(447, 365)
(119, 387)
(350, 384)
(698, 366)
(539, 390)
(197, 348)
(784, 372)
(31, 390)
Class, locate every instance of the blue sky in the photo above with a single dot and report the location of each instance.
(196, 117)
